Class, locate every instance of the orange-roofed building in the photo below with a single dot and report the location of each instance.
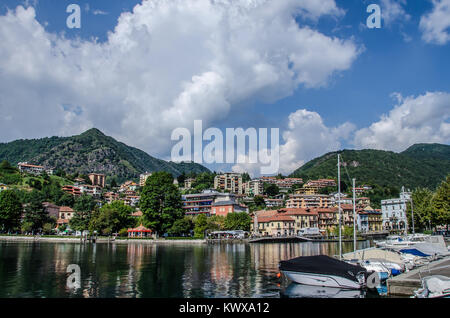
(140, 231)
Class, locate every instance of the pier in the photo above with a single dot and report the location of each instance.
(297, 239)
(406, 283)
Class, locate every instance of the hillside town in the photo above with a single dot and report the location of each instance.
(277, 206)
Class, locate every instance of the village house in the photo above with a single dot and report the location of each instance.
(65, 215)
(29, 168)
(284, 221)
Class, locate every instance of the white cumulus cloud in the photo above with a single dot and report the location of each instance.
(435, 24)
(421, 119)
(164, 65)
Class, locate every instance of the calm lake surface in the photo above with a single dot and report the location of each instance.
(30, 269)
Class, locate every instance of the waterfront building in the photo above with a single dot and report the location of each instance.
(65, 215)
(328, 219)
(223, 208)
(308, 201)
(143, 178)
(29, 168)
(284, 221)
(140, 231)
(230, 182)
(277, 225)
(51, 209)
(97, 179)
(394, 213)
(202, 203)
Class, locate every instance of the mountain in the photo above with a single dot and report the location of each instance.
(92, 151)
(421, 165)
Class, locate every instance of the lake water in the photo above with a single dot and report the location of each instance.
(30, 269)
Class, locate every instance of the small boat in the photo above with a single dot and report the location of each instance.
(306, 291)
(436, 286)
(324, 271)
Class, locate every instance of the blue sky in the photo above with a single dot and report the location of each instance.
(357, 89)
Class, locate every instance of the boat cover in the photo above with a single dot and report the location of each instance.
(426, 249)
(324, 265)
(374, 253)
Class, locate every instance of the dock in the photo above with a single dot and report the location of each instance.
(405, 284)
(297, 239)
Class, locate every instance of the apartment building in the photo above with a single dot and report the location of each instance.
(97, 179)
(308, 201)
(202, 203)
(271, 203)
(321, 183)
(143, 178)
(254, 187)
(229, 182)
(92, 190)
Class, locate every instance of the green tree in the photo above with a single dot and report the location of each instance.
(160, 202)
(111, 218)
(181, 227)
(203, 181)
(441, 203)
(271, 189)
(216, 223)
(35, 212)
(423, 211)
(10, 210)
(5, 167)
(66, 200)
(238, 221)
(200, 226)
(259, 201)
(84, 208)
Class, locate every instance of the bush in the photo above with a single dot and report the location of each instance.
(123, 233)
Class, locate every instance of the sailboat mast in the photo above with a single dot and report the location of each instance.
(354, 217)
(339, 207)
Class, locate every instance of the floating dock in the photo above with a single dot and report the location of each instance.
(405, 284)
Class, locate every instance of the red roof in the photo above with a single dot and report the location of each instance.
(140, 228)
(276, 218)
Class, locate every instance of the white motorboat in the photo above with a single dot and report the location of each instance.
(324, 271)
(436, 286)
(306, 291)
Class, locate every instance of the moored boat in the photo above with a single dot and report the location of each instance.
(324, 271)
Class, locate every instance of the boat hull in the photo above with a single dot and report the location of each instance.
(322, 280)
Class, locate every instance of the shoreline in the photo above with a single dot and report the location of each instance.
(19, 238)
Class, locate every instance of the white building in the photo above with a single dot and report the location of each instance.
(143, 177)
(254, 187)
(394, 213)
(229, 182)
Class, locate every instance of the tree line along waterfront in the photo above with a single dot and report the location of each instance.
(23, 211)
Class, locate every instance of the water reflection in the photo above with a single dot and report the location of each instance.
(38, 269)
(303, 291)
